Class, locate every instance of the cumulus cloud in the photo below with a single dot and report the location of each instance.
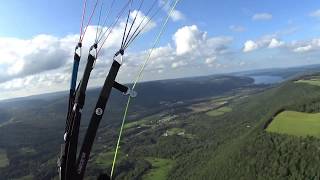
(44, 62)
(192, 48)
(262, 16)
(24, 57)
(305, 46)
(275, 43)
(191, 40)
(264, 42)
(250, 46)
(188, 39)
(272, 42)
(303, 49)
(27, 57)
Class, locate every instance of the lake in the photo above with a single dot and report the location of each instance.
(265, 79)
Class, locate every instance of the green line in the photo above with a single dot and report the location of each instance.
(137, 80)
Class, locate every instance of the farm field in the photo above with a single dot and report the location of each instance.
(313, 81)
(219, 112)
(296, 123)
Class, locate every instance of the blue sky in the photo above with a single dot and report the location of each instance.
(210, 36)
(25, 19)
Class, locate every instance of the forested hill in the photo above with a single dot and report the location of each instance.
(214, 127)
(31, 129)
(240, 147)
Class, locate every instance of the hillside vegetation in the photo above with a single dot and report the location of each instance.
(216, 134)
(238, 147)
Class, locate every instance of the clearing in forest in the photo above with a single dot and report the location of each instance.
(219, 112)
(296, 123)
(160, 169)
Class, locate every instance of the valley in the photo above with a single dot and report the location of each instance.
(198, 128)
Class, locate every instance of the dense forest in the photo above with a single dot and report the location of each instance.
(248, 152)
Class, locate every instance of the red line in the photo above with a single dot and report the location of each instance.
(82, 19)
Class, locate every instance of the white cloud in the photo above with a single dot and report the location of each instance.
(235, 28)
(275, 43)
(177, 15)
(188, 39)
(272, 42)
(303, 49)
(264, 42)
(315, 13)
(15, 68)
(142, 17)
(201, 51)
(250, 46)
(210, 60)
(27, 57)
(262, 17)
(178, 64)
(305, 46)
(43, 63)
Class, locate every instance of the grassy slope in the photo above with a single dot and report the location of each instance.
(313, 81)
(105, 159)
(296, 123)
(219, 112)
(160, 169)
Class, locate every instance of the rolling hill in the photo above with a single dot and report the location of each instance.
(195, 128)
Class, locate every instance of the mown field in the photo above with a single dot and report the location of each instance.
(296, 123)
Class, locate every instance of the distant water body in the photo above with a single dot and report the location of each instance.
(267, 79)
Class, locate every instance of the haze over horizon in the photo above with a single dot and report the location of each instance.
(37, 49)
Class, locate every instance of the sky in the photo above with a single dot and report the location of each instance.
(37, 40)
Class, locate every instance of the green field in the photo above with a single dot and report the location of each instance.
(314, 81)
(144, 121)
(296, 123)
(134, 124)
(105, 159)
(219, 112)
(160, 169)
(4, 161)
